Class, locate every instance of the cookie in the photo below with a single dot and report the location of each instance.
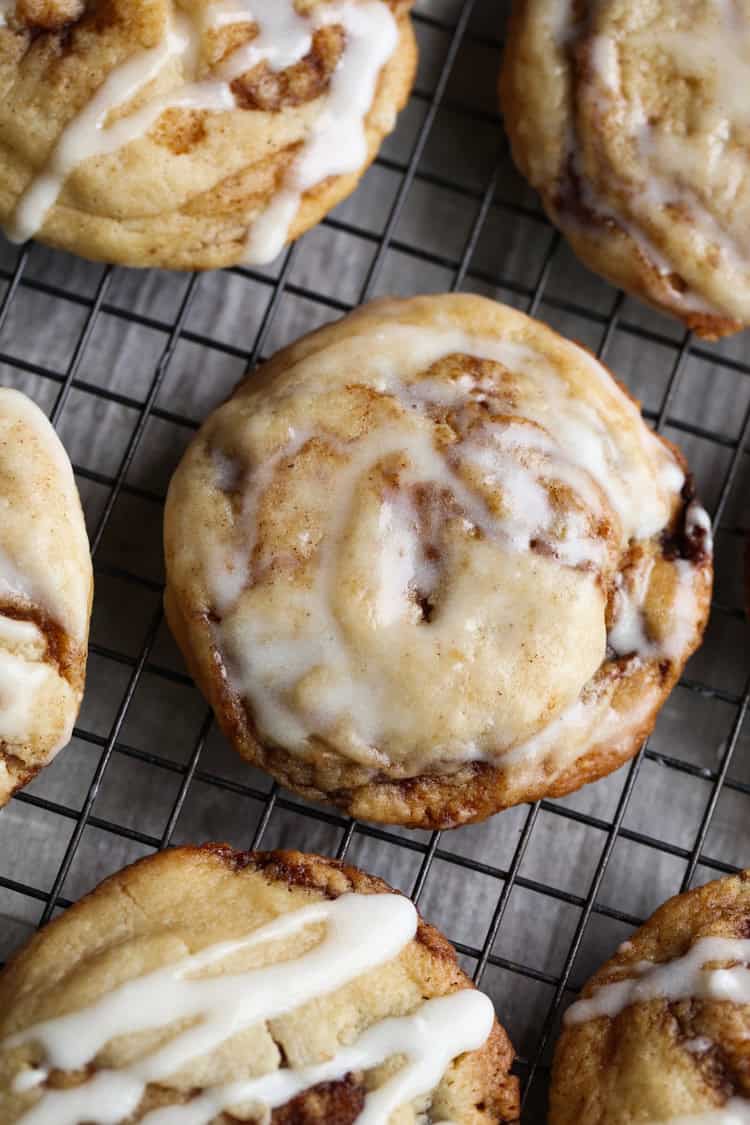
(271, 986)
(192, 135)
(661, 1033)
(629, 119)
(429, 562)
(45, 593)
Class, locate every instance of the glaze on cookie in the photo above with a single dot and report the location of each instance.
(660, 1034)
(273, 987)
(45, 593)
(630, 120)
(429, 562)
(197, 133)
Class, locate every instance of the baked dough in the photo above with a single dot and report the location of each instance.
(45, 593)
(629, 117)
(192, 134)
(661, 1034)
(327, 977)
(429, 562)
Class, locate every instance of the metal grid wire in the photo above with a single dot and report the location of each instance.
(535, 898)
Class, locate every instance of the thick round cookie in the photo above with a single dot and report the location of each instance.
(661, 1035)
(429, 562)
(629, 117)
(46, 587)
(274, 986)
(192, 134)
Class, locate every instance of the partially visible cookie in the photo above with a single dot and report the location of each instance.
(46, 587)
(662, 1031)
(629, 117)
(204, 985)
(192, 135)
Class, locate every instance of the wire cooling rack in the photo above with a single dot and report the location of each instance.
(128, 363)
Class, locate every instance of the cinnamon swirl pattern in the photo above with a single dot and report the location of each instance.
(192, 135)
(204, 984)
(631, 121)
(660, 1035)
(45, 593)
(429, 562)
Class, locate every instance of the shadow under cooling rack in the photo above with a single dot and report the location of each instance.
(128, 363)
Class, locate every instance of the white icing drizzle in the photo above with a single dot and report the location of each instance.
(673, 980)
(720, 51)
(284, 37)
(297, 666)
(21, 682)
(6, 8)
(684, 613)
(605, 61)
(585, 450)
(15, 585)
(88, 134)
(19, 579)
(430, 1039)
(361, 932)
(628, 633)
(688, 299)
(336, 143)
(571, 732)
(229, 575)
(31, 685)
(699, 1045)
(272, 665)
(19, 633)
(27, 680)
(697, 520)
(29, 1079)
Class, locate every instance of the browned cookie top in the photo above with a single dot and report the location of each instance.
(191, 133)
(662, 1032)
(629, 117)
(231, 985)
(429, 562)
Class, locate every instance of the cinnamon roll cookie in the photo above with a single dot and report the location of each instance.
(45, 593)
(429, 562)
(204, 985)
(661, 1034)
(630, 119)
(192, 134)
